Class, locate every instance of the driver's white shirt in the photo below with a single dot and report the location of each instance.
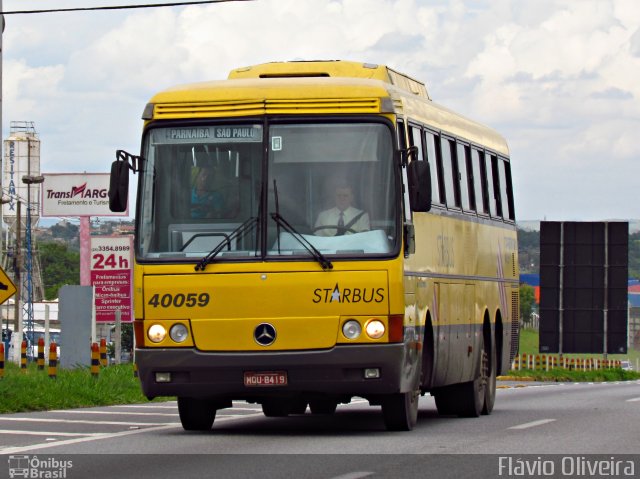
(331, 217)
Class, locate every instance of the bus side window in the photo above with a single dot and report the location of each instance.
(492, 170)
(491, 186)
(452, 185)
(479, 181)
(470, 179)
(415, 140)
(506, 189)
(432, 142)
(463, 176)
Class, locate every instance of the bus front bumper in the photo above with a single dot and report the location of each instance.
(341, 370)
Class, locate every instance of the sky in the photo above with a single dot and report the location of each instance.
(559, 79)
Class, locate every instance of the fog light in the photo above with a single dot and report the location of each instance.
(351, 329)
(372, 373)
(375, 329)
(163, 377)
(179, 333)
(156, 333)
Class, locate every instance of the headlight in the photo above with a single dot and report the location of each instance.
(375, 329)
(156, 333)
(351, 329)
(179, 333)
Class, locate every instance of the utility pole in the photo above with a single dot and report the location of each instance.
(30, 180)
(17, 315)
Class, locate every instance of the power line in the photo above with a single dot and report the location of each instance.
(120, 7)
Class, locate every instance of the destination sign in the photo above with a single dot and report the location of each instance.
(208, 134)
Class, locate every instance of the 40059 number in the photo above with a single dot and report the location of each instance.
(190, 300)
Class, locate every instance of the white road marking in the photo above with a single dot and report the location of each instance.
(354, 475)
(633, 400)
(48, 433)
(88, 437)
(77, 421)
(527, 425)
(144, 406)
(237, 416)
(112, 413)
(34, 447)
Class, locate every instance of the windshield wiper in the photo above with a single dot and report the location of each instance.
(237, 233)
(317, 255)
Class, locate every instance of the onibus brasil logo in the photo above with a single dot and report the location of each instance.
(33, 467)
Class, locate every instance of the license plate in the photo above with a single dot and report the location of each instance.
(265, 378)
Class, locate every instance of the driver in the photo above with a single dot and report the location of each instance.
(342, 218)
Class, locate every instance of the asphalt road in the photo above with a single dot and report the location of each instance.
(533, 422)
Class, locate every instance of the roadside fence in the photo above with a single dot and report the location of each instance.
(546, 362)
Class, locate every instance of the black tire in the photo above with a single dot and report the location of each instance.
(471, 398)
(276, 408)
(196, 414)
(400, 411)
(323, 406)
(490, 387)
(299, 407)
(472, 393)
(445, 402)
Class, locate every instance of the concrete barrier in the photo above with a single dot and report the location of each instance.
(23, 356)
(53, 360)
(95, 360)
(41, 354)
(103, 353)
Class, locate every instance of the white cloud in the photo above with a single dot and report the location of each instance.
(557, 77)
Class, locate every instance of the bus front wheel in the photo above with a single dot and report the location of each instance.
(196, 414)
(400, 411)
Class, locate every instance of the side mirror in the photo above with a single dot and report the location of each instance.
(419, 177)
(119, 186)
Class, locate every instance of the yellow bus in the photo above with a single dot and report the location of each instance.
(311, 232)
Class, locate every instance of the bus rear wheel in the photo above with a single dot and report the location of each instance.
(400, 411)
(472, 393)
(490, 387)
(196, 414)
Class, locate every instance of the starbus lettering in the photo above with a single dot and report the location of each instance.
(348, 295)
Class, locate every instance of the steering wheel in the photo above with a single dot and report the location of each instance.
(334, 227)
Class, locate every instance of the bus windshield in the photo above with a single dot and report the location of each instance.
(328, 184)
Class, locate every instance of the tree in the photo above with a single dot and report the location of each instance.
(527, 300)
(529, 251)
(634, 255)
(68, 232)
(59, 267)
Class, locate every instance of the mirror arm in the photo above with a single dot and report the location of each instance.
(405, 153)
(134, 162)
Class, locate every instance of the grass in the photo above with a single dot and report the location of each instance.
(564, 375)
(33, 390)
(529, 345)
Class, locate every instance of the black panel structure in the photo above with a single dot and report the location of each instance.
(583, 287)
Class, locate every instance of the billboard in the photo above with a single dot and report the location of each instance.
(111, 276)
(76, 194)
(583, 287)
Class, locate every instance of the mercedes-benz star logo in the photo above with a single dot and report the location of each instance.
(264, 334)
